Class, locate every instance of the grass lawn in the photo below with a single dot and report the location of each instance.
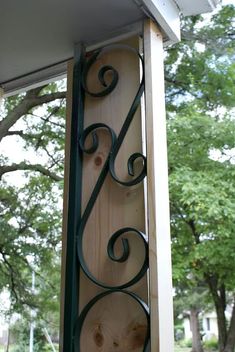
(2, 349)
(181, 349)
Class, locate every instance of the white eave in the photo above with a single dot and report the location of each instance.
(196, 7)
(166, 13)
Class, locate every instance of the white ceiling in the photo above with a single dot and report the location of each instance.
(38, 34)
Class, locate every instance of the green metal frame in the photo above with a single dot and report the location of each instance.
(74, 203)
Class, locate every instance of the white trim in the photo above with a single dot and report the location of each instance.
(160, 274)
(33, 80)
(189, 8)
(166, 14)
(122, 34)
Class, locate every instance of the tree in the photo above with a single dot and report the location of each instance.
(20, 335)
(190, 301)
(200, 79)
(30, 238)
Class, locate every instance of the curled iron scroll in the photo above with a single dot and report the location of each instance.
(108, 167)
(108, 88)
(81, 319)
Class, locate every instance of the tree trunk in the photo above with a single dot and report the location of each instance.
(218, 295)
(8, 339)
(230, 343)
(221, 322)
(196, 337)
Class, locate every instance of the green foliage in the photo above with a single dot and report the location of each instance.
(21, 333)
(202, 196)
(30, 208)
(178, 332)
(200, 79)
(212, 344)
(201, 67)
(202, 185)
(186, 343)
(30, 231)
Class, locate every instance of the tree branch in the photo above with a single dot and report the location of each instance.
(33, 167)
(31, 100)
(15, 133)
(190, 223)
(12, 275)
(196, 235)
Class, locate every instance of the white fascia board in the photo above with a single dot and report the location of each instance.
(190, 8)
(34, 80)
(166, 14)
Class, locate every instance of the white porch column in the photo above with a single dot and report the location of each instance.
(160, 276)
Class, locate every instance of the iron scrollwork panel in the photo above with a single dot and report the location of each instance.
(109, 168)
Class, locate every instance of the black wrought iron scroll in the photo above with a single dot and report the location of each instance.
(109, 168)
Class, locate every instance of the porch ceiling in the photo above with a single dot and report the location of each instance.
(37, 35)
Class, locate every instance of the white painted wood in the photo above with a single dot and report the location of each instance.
(160, 282)
(166, 13)
(189, 8)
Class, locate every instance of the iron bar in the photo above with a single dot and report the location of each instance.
(74, 202)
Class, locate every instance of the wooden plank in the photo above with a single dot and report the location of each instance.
(160, 285)
(115, 323)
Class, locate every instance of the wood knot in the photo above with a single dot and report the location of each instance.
(98, 337)
(115, 344)
(98, 160)
(136, 336)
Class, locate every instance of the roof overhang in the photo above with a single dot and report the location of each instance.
(37, 37)
(191, 8)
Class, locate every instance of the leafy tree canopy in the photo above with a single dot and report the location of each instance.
(31, 199)
(200, 79)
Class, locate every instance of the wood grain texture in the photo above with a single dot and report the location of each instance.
(116, 323)
(160, 285)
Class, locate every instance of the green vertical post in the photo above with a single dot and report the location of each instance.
(74, 203)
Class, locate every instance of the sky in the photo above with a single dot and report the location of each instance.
(227, 2)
